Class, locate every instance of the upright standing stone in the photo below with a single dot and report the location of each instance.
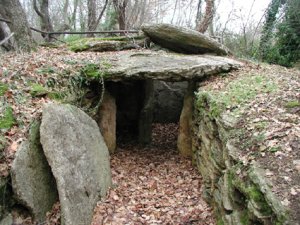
(107, 121)
(79, 159)
(146, 114)
(184, 142)
(32, 181)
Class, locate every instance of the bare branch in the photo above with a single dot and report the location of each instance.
(7, 38)
(36, 9)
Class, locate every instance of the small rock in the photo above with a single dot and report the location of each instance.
(269, 173)
(293, 191)
(297, 165)
(285, 202)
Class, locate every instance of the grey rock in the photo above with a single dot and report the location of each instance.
(183, 40)
(146, 114)
(79, 159)
(7, 220)
(168, 101)
(141, 65)
(257, 175)
(6, 199)
(233, 152)
(229, 121)
(32, 181)
(107, 45)
(296, 163)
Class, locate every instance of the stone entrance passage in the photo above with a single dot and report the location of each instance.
(137, 85)
(137, 105)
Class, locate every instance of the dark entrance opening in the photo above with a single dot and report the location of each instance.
(143, 106)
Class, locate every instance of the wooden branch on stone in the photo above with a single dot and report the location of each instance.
(5, 20)
(95, 32)
(6, 39)
(78, 32)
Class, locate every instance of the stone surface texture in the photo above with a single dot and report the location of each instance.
(142, 65)
(239, 193)
(79, 159)
(107, 121)
(184, 141)
(99, 44)
(168, 101)
(183, 40)
(146, 114)
(7, 220)
(104, 46)
(6, 196)
(32, 181)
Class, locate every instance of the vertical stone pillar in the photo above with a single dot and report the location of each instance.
(107, 121)
(184, 141)
(146, 114)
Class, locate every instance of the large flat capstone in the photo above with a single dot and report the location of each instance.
(184, 40)
(141, 65)
(79, 159)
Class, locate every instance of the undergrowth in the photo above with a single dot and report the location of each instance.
(235, 95)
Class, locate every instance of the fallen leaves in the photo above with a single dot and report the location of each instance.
(154, 185)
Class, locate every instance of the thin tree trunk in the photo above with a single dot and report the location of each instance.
(13, 11)
(7, 45)
(91, 16)
(65, 11)
(174, 12)
(74, 15)
(120, 7)
(208, 17)
(43, 13)
(93, 20)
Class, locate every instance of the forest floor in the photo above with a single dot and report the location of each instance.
(154, 185)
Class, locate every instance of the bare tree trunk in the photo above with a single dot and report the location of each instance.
(43, 13)
(142, 14)
(199, 13)
(13, 11)
(120, 7)
(174, 12)
(208, 17)
(7, 45)
(91, 16)
(93, 21)
(73, 18)
(65, 11)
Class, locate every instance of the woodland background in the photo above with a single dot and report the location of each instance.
(274, 38)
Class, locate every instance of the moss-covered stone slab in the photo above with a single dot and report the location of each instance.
(107, 44)
(141, 65)
(183, 40)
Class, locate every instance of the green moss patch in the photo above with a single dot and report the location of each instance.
(38, 90)
(292, 104)
(236, 94)
(95, 71)
(8, 119)
(3, 88)
(83, 44)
